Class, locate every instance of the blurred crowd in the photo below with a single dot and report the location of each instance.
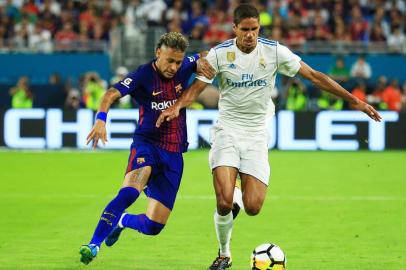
(48, 25)
(36, 24)
(381, 92)
(295, 22)
(289, 94)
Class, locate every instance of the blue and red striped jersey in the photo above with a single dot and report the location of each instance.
(154, 93)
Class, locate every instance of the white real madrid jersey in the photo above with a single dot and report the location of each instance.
(246, 81)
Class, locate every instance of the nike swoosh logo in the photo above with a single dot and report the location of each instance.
(156, 93)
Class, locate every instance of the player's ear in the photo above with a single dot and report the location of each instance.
(158, 52)
(234, 28)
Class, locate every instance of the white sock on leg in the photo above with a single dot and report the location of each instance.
(224, 227)
(237, 198)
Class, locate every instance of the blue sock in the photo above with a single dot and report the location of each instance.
(112, 213)
(142, 224)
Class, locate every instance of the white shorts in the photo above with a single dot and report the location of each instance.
(248, 152)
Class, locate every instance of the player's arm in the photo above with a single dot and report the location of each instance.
(324, 82)
(187, 98)
(198, 64)
(99, 128)
(124, 87)
(203, 67)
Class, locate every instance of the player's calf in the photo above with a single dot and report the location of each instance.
(112, 213)
(142, 224)
(113, 237)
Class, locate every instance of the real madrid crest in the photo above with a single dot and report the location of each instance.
(262, 63)
(230, 56)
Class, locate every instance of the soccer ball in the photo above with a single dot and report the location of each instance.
(268, 257)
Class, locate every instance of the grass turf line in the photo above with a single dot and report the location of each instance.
(327, 210)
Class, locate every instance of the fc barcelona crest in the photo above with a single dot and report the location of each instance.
(178, 88)
(230, 56)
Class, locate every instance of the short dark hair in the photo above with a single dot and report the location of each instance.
(245, 11)
(173, 40)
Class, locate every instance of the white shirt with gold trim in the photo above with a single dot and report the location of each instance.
(246, 81)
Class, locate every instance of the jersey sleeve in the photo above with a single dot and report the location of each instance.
(212, 59)
(190, 63)
(288, 62)
(129, 83)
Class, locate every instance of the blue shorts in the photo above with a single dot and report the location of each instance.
(167, 169)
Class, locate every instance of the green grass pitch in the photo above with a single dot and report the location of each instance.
(326, 210)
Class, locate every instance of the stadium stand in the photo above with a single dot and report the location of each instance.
(126, 31)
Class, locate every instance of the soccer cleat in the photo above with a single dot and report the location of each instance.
(88, 253)
(236, 209)
(112, 238)
(220, 263)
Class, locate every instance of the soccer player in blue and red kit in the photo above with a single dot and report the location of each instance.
(156, 153)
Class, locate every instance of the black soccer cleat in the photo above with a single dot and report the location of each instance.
(220, 263)
(236, 209)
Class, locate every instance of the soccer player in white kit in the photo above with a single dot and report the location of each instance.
(246, 67)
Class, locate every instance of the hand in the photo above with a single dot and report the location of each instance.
(205, 69)
(98, 132)
(167, 115)
(366, 108)
(203, 54)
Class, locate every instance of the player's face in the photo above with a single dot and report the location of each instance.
(168, 61)
(247, 33)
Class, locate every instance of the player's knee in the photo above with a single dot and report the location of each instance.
(252, 206)
(252, 210)
(224, 206)
(152, 227)
(252, 203)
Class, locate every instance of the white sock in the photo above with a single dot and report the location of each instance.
(120, 224)
(224, 227)
(237, 198)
